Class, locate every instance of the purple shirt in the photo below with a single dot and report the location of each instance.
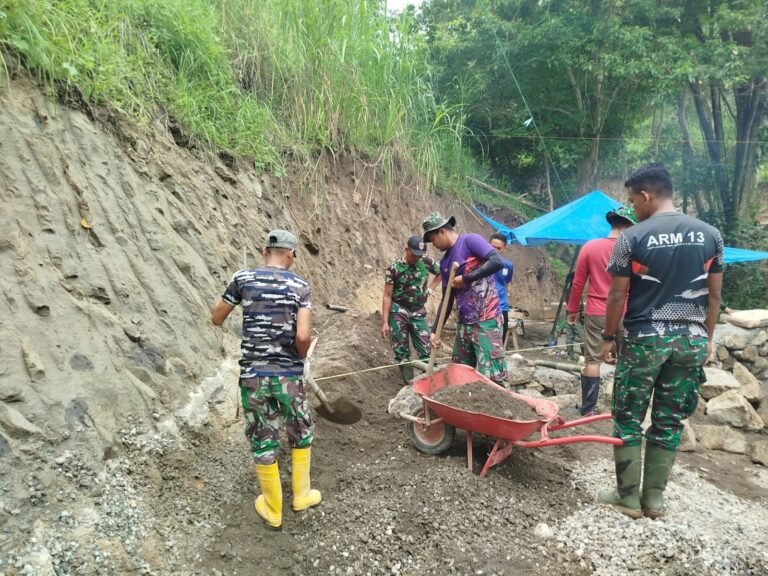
(478, 301)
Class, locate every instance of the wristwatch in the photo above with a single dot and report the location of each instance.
(608, 337)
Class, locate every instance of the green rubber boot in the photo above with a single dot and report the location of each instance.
(626, 497)
(656, 469)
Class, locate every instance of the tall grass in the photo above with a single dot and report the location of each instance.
(258, 79)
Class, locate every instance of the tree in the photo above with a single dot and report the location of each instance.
(546, 80)
(727, 78)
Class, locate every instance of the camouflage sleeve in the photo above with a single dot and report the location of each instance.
(305, 297)
(232, 293)
(717, 262)
(432, 266)
(620, 262)
(389, 275)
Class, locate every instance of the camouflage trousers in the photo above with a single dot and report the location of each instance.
(265, 400)
(403, 325)
(574, 334)
(480, 345)
(669, 368)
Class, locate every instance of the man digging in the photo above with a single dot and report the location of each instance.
(276, 337)
(403, 312)
(671, 264)
(478, 331)
(591, 268)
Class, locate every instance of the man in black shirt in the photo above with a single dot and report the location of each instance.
(671, 265)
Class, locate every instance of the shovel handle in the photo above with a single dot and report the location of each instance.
(313, 385)
(443, 314)
(440, 321)
(320, 394)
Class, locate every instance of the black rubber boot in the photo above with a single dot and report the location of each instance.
(626, 497)
(590, 388)
(656, 469)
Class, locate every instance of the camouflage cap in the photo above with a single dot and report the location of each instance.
(435, 221)
(625, 212)
(281, 239)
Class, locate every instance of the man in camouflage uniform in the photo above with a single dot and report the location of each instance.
(276, 337)
(671, 265)
(478, 331)
(403, 315)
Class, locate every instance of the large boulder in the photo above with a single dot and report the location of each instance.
(749, 385)
(406, 401)
(748, 354)
(718, 382)
(759, 366)
(720, 438)
(733, 409)
(688, 440)
(758, 451)
(532, 393)
(518, 375)
(760, 339)
(566, 400)
(560, 381)
(762, 411)
(15, 424)
(736, 340)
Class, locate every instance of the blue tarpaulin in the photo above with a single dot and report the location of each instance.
(582, 220)
(575, 223)
(736, 255)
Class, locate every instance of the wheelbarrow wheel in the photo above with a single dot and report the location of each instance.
(435, 440)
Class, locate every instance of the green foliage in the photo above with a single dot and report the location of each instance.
(545, 78)
(257, 79)
(143, 57)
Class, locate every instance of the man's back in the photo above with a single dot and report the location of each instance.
(478, 301)
(591, 268)
(270, 297)
(667, 257)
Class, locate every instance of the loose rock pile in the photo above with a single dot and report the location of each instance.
(733, 411)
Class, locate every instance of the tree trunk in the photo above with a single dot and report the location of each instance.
(750, 110)
(690, 185)
(716, 159)
(588, 169)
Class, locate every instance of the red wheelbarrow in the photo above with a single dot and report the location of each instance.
(433, 432)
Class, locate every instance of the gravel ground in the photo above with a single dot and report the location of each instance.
(183, 505)
(706, 530)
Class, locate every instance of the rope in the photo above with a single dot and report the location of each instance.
(384, 367)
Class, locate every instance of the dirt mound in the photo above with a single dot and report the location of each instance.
(484, 399)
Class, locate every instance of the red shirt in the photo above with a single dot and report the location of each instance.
(591, 265)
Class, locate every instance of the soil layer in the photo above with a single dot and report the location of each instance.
(482, 398)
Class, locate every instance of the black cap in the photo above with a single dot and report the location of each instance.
(416, 244)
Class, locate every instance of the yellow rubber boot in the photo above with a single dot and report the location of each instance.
(303, 496)
(269, 505)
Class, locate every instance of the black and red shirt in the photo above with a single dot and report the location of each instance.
(668, 258)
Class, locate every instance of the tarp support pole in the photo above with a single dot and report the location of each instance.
(564, 296)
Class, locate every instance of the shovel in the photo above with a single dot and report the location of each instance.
(438, 333)
(341, 410)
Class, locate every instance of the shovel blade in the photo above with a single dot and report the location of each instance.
(340, 411)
